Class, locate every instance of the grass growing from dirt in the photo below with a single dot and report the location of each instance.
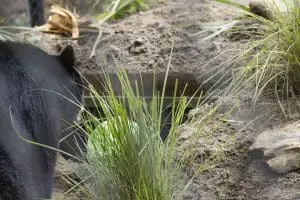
(117, 9)
(272, 56)
(126, 158)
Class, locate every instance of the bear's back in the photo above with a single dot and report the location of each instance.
(36, 91)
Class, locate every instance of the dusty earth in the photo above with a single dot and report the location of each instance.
(222, 167)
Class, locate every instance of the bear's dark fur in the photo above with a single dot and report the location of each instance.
(37, 96)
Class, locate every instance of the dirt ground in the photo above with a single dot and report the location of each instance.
(144, 42)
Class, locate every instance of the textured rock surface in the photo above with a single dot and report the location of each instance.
(280, 147)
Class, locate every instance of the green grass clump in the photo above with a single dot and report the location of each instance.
(273, 55)
(119, 8)
(126, 158)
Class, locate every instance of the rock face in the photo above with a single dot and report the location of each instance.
(280, 147)
(260, 9)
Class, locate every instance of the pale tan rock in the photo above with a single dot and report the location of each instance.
(281, 147)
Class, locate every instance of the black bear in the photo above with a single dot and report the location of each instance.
(40, 95)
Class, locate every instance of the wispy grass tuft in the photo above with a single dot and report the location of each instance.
(126, 157)
(272, 56)
(117, 9)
